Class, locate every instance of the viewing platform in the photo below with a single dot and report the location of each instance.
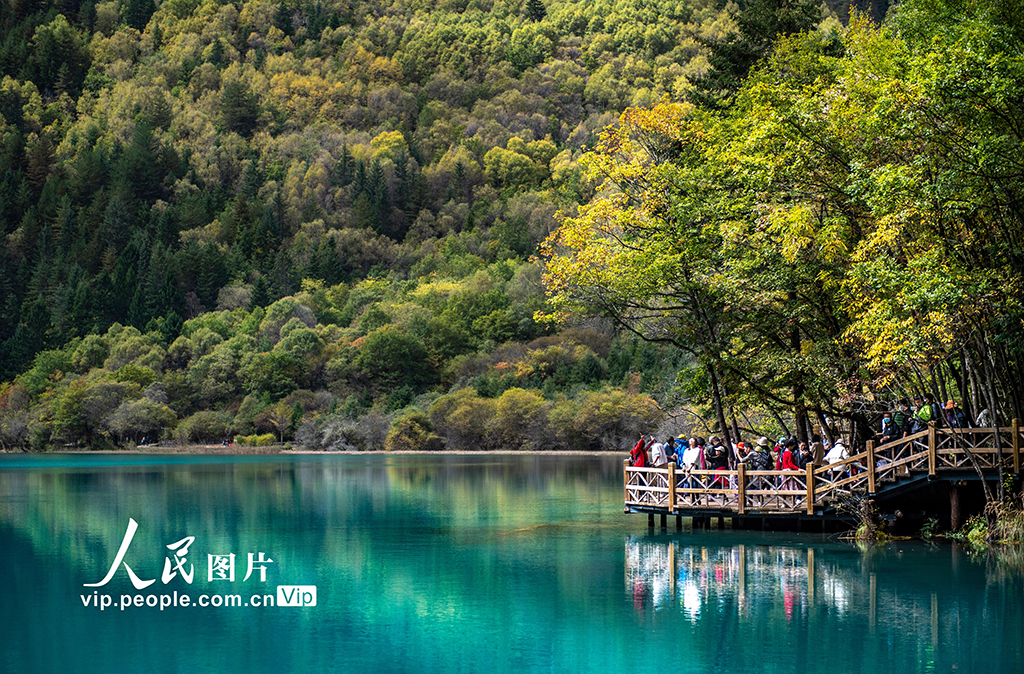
(885, 473)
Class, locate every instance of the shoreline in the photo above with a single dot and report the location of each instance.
(217, 450)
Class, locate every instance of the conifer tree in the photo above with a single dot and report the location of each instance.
(760, 24)
(536, 10)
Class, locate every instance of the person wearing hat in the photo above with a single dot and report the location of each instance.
(954, 417)
(837, 453)
(758, 459)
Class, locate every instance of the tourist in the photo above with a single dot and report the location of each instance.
(803, 456)
(691, 455)
(758, 459)
(638, 455)
(920, 416)
(901, 418)
(670, 449)
(716, 457)
(787, 462)
(934, 413)
(840, 453)
(890, 431)
(984, 419)
(659, 459)
(954, 415)
(817, 450)
(837, 454)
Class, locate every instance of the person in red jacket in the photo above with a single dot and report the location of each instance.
(788, 463)
(638, 455)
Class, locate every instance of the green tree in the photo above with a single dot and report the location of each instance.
(239, 108)
(389, 358)
(536, 10)
(137, 13)
(759, 24)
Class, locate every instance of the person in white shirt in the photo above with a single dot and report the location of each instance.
(658, 456)
(838, 453)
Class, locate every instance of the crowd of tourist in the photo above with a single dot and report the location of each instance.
(697, 453)
(789, 454)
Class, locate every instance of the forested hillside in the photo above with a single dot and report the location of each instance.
(228, 209)
(503, 225)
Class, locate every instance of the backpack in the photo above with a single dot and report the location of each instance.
(924, 413)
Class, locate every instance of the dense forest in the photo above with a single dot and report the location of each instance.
(315, 218)
(478, 224)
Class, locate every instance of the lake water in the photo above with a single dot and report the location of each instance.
(457, 564)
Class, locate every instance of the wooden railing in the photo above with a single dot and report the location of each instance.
(932, 451)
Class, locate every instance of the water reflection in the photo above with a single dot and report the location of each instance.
(921, 606)
(436, 564)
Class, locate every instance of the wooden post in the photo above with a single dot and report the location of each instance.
(871, 467)
(1016, 446)
(664, 520)
(625, 481)
(671, 486)
(741, 488)
(932, 460)
(810, 488)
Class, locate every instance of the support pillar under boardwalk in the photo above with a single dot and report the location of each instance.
(650, 519)
(664, 520)
(679, 522)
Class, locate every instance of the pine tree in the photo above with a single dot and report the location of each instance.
(137, 13)
(239, 109)
(536, 10)
(260, 293)
(760, 24)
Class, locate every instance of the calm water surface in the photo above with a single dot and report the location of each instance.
(460, 564)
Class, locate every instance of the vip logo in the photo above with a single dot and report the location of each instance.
(296, 595)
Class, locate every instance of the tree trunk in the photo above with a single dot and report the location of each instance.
(826, 432)
(716, 396)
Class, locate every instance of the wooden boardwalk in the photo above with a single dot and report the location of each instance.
(905, 464)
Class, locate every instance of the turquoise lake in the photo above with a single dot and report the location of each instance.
(448, 563)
